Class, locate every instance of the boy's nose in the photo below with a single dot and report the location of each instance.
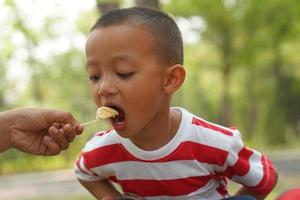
(106, 88)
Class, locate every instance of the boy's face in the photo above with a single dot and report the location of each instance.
(124, 74)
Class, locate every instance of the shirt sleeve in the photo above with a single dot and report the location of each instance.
(83, 168)
(249, 167)
(83, 172)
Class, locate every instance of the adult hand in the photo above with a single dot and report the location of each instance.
(29, 130)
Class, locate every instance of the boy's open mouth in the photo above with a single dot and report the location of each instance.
(118, 121)
(120, 117)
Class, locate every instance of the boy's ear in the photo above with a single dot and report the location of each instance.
(174, 78)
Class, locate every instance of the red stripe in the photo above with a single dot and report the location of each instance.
(79, 167)
(222, 191)
(222, 188)
(195, 151)
(100, 133)
(103, 132)
(106, 155)
(269, 179)
(242, 166)
(205, 124)
(185, 151)
(174, 187)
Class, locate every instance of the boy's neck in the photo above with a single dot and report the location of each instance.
(161, 132)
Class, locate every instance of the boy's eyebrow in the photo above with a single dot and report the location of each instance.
(115, 59)
(90, 63)
(123, 58)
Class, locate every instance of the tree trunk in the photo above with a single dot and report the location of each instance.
(2, 104)
(2, 85)
(226, 49)
(105, 6)
(277, 115)
(148, 3)
(36, 89)
(251, 109)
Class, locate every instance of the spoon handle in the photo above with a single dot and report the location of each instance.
(90, 122)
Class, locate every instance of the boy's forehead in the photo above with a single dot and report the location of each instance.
(119, 44)
(122, 36)
(119, 30)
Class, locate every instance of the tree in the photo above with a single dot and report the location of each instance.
(220, 19)
(281, 28)
(250, 37)
(104, 6)
(2, 86)
(148, 3)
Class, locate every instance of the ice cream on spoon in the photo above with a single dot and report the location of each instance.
(103, 113)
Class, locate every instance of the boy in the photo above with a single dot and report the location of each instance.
(135, 64)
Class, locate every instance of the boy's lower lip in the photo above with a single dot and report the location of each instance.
(118, 126)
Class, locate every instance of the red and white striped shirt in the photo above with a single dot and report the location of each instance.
(193, 165)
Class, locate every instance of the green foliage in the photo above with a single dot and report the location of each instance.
(59, 81)
(253, 41)
(246, 63)
(87, 20)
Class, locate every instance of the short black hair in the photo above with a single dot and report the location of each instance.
(167, 36)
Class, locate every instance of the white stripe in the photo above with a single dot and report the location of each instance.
(207, 192)
(255, 174)
(235, 147)
(88, 175)
(220, 169)
(100, 141)
(211, 138)
(131, 170)
(82, 166)
(84, 176)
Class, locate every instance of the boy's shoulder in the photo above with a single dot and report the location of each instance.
(209, 133)
(102, 138)
(204, 126)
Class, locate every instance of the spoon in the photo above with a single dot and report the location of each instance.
(102, 113)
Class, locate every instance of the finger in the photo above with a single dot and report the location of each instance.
(63, 117)
(69, 119)
(59, 137)
(52, 147)
(69, 132)
(60, 117)
(58, 125)
(79, 129)
(53, 130)
(62, 140)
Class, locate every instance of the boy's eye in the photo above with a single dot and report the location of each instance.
(125, 75)
(94, 78)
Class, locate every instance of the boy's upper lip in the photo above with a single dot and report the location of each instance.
(119, 121)
(112, 105)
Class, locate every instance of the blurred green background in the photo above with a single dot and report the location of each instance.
(242, 60)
